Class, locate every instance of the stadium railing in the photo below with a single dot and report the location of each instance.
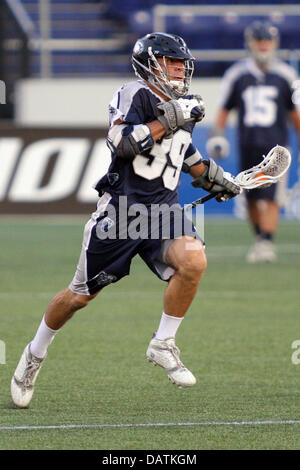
(16, 32)
(76, 39)
(215, 32)
(83, 39)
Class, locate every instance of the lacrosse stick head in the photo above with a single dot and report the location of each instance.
(268, 171)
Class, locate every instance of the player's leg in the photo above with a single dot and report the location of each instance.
(273, 199)
(61, 308)
(83, 288)
(263, 210)
(269, 216)
(100, 263)
(187, 257)
(254, 216)
(264, 216)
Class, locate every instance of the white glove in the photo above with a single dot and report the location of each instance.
(217, 147)
(193, 109)
(216, 180)
(176, 113)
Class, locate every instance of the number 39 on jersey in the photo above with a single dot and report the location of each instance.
(167, 159)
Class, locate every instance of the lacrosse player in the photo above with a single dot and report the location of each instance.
(150, 138)
(260, 88)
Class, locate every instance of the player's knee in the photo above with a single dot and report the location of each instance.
(193, 265)
(80, 301)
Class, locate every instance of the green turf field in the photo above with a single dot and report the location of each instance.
(236, 339)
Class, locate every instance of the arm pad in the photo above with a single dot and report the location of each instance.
(127, 141)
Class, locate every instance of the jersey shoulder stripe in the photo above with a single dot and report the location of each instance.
(232, 74)
(124, 98)
(284, 70)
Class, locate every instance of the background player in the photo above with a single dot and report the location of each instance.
(150, 138)
(260, 88)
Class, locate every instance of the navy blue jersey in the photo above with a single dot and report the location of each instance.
(263, 101)
(153, 176)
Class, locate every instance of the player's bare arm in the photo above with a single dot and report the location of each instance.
(217, 145)
(221, 119)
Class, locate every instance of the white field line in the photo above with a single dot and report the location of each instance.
(146, 425)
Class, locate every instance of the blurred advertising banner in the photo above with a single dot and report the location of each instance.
(53, 171)
(50, 171)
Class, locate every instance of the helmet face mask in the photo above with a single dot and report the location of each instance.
(260, 54)
(152, 61)
(262, 40)
(166, 78)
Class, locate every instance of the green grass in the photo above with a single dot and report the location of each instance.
(236, 339)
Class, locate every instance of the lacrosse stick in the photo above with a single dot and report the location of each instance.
(267, 172)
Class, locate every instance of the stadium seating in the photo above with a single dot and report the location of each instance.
(115, 25)
(82, 20)
(74, 20)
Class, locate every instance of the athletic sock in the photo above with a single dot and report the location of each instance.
(42, 340)
(257, 229)
(168, 326)
(267, 236)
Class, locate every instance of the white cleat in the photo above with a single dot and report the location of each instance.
(253, 254)
(22, 383)
(263, 251)
(165, 353)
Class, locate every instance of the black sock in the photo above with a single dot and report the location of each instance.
(267, 236)
(257, 229)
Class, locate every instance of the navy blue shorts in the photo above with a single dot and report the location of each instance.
(107, 250)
